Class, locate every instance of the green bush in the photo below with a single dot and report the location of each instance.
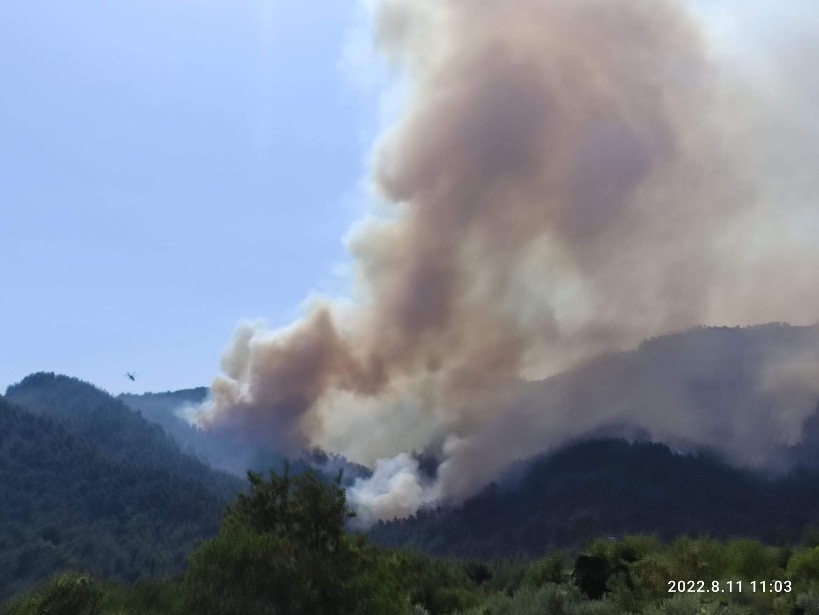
(804, 566)
(551, 569)
(66, 594)
(145, 598)
(750, 559)
(693, 604)
(550, 599)
(807, 604)
(282, 549)
(697, 559)
(241, 572)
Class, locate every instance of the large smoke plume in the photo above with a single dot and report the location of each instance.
(568, 177)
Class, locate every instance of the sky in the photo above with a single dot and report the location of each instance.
(169, 167)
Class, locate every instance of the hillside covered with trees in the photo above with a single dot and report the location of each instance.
(86, 484)
(220, 451)
(112, 427)
(104, 503)
(282, 549)
(611, 488)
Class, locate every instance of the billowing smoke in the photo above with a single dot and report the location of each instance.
(568, 178)
(395, 490)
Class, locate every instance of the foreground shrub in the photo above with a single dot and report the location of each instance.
(165, 597)
(282, 549)
(66, 594)
(693, 604)
(551, 599)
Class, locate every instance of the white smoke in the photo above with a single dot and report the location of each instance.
(567, 178)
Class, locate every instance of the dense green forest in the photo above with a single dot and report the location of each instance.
(87, 484)
(101, 512)
(113, 428)
(282, 549)
(612, 488)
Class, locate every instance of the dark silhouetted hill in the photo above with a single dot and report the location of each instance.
(113, 428)
(68, 504)
(220, 451)
(609, 488)
(223, 451)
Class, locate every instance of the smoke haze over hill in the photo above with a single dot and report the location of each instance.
(567, 179)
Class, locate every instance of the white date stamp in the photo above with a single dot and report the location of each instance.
(772, 586)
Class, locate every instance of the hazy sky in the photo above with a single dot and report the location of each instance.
(168, 167)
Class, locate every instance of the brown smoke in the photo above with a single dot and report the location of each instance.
(569, 177)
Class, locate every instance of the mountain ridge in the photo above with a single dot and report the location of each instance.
(113, 427)
(65, 504)
(598, 488)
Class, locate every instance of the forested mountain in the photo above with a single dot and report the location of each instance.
(610, 487)
(164, 408)
(282, 548)
(66, 503)
(748, 392)
(218, 450)
(113, 428)
(89, 484)
(223, 451)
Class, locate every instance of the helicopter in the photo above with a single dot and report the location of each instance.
(131, 376)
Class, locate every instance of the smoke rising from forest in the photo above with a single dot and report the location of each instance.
(567, 178)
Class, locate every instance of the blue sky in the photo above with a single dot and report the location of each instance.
(169, 167)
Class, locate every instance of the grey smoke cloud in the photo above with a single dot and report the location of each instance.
(568, 177)
(395, 490)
